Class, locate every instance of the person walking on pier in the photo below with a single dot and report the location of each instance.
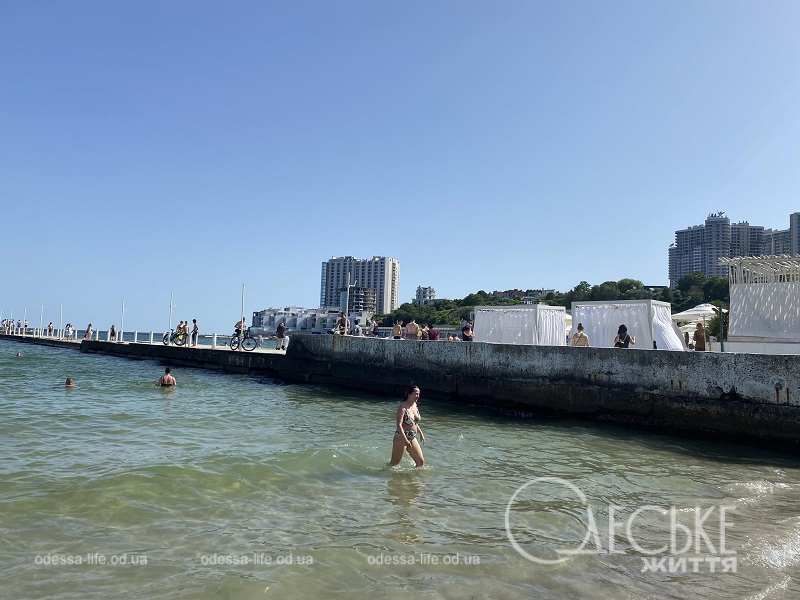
(50, 329)
(89, 332)
(282, 339)
(405, 436)
(195, 333)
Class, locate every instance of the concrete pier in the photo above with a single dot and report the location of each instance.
(709, 394)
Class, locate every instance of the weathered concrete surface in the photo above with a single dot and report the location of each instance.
(43, 341)
(740, 395)
(207, 358)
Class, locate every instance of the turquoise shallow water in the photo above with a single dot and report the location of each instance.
(214, 483)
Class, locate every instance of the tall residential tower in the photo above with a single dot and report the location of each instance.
(380, 273)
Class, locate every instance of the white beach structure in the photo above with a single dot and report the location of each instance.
(537, 324)
(765, 304)
(647, 320)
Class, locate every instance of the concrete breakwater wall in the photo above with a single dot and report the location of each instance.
(733, 395)
(43, 341)
(738, 395)
(206, 358)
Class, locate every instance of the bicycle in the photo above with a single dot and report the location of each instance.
(247, 342)
(175, 337)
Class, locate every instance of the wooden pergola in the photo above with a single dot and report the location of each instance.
(762, 269)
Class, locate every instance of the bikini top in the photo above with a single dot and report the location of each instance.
(407, 420)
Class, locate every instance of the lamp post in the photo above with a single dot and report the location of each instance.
(241, 315)
(171, 296)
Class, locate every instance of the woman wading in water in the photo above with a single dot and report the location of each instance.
(405, 438)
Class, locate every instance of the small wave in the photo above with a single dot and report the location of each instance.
(780, 553)
(767, 591)
(757, 490)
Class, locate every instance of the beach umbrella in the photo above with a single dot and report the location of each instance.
(701, 312)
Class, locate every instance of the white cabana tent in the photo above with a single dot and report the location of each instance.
(765, 298)
(646, 320)
(537, 324)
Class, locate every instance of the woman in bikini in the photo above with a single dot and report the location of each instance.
(405, 437)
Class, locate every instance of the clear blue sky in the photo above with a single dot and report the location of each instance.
(193, 146)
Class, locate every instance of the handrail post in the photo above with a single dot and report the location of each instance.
(151, 337)
(214, 342)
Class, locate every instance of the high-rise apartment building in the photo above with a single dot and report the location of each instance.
(699, 248)
(380, 273)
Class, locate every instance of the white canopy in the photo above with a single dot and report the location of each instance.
(647, 320)
(700, 312)
(537, 324)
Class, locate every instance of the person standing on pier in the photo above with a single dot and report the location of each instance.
(195, 333)
(579, 338)
(50, 329)
(342, 324)
(405, 436)
(623, 340)
(89, 332)
(700, 338)
(112, 334)
(282, 339)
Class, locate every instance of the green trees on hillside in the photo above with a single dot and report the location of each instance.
(692, 290)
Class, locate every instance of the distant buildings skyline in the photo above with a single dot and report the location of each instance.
(698, 248)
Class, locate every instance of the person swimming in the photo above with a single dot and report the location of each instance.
(70, 382)
(167, 380)
(405, 437)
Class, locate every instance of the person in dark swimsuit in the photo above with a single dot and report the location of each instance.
(623, 340)
(408, 429)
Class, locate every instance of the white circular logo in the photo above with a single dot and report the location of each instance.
(556, 505)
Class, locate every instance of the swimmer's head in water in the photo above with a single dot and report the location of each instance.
(19, 354)
(167, 371)
(70, 382)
